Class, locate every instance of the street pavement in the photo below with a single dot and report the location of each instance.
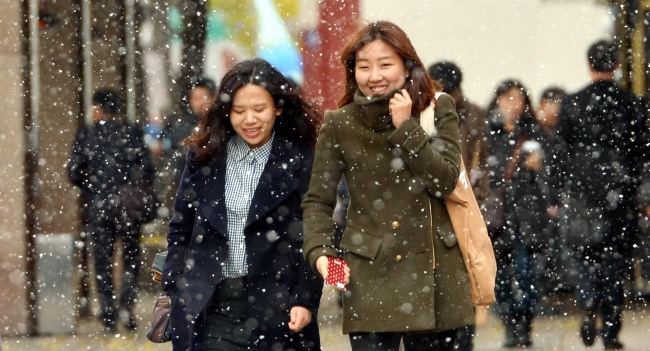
(557, 333)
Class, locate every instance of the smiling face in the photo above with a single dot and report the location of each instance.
(378, 69)
(253, 115)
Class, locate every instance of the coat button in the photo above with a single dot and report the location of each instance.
(394, 225)
(398, 258)
(199, 238)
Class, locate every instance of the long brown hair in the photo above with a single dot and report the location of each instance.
(419, 85)
(299, 122)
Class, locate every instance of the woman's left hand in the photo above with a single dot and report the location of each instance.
(400, 107)
(300, 317)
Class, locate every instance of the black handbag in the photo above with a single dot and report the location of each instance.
(138, 202)
(137, 198)
(160, 330)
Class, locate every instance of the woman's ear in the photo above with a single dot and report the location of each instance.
(278, 111)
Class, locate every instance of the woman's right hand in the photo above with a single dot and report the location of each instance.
(400, 107)
(321, 265)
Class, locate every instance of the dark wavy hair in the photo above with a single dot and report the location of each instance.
(419, 85)
(299, 121)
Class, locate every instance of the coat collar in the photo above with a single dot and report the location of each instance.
(375, 114)
(276, 183)
(238, 149)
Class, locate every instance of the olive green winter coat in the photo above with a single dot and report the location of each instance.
(407, 272)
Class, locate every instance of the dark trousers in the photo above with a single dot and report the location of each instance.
(516, 288)
(465, 338)
(439, 341)
(226, 325)
(104, 232)
(599, 288)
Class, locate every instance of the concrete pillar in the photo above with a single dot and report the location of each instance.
(13, 304)
(56, 120)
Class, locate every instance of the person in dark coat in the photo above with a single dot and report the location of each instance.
(602, 150)
(553, 262)
(406, 279)
(515, 161)
(106, 155)
(471, 127)
(197, 99)
(234, 267)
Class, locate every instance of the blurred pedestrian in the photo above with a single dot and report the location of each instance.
(515, 164)
(106, 155)
(472, 121)
(601, 152)
(197, 99)
(552, 265)
(234, 266)
(548, 110)
(406, 278)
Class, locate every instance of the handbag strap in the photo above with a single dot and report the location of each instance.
(476, 155)
(428, 117)
(427, 122)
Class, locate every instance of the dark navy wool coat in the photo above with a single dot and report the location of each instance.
(278, 276)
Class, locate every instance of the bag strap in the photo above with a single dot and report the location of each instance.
(476, 155)
(427, 122)
(428, 117)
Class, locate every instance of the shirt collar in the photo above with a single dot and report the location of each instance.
(238, 149)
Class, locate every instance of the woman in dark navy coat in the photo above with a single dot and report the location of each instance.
(235, 267)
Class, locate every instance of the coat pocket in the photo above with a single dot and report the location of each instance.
(361, 243)
(446, 233)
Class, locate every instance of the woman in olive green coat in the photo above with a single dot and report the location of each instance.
(406, 274)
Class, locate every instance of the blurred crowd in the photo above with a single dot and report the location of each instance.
(564, 188)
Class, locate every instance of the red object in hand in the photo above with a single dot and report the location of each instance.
(335, 273)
